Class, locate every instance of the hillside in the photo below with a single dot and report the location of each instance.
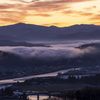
(15, 65)
(13, 43)
(29, 32)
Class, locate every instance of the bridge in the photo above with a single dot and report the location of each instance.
(25, 95)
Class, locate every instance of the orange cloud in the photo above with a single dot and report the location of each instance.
(9, 20)
(86, 14)
(90, 8)
(12, 16)
(55, 24)
(53, 5)
(6, 6)
(96, 17)
(97, 23)
(42, 15)
(45, 7)
(71, 12)
(21, 9)
(77, 13)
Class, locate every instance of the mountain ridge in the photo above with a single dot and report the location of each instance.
(26, 32)
(15, 44)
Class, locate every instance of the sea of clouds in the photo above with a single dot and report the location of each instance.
(56, 51)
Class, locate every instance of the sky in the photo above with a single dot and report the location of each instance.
(59, 13)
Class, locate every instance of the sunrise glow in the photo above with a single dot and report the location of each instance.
(50, 12)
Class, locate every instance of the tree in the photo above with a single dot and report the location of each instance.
(8, 91)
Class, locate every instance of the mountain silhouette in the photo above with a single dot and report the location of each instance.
(26, 44)
(30, 32)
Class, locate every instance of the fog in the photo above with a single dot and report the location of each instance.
(54, 52)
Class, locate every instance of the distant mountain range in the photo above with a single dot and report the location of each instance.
(29, 32)
(13, 43)
(94, 45)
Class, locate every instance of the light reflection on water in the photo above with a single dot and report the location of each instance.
(43, 97)
(14, 80)
(34, 97)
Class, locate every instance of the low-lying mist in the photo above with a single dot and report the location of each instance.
(57, 52)
(39, 60)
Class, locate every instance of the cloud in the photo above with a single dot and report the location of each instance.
(90, 8)
(41, 14)
(96, 17)
(55, 24)
(22, 1)
(97, 22)
(6, 6)
(12, 16)
(20, 10)
(52, 5)
(9, 20)
(55, 52)
(45, 7)
(81, 13)
(86, 14)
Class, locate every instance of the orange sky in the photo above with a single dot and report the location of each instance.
(50, 12)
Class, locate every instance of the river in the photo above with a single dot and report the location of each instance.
(22, 79)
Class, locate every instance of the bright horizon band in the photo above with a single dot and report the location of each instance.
(59, 13)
